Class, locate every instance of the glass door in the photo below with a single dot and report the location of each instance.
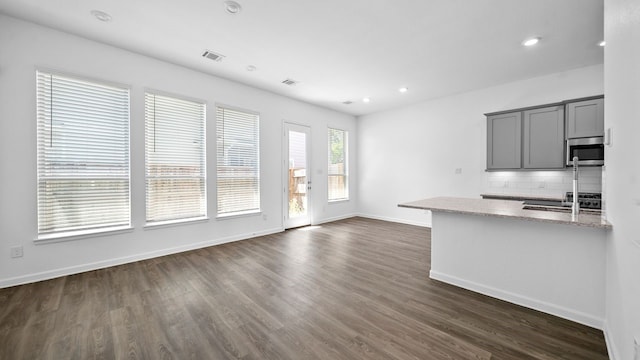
(297, 179)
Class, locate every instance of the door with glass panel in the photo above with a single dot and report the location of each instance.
(297, 180)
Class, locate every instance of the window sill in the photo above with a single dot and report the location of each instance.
(80, 234)
(239, 214)
(337, 201)
(167, 223)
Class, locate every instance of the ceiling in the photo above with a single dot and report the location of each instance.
(345, 50)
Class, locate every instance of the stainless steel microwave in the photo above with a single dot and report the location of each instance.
(590, 151)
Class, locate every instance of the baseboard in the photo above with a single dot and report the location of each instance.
(611, 346)
(525, 301)
(336, 218)
(395, 220)
(46, 275)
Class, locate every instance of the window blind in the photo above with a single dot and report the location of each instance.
(174, 158)
(238, 159)
(83, 155)
(337, 181)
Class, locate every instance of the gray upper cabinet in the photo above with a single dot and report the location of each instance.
(585, 118)
(504, 134)
(534, 137)
(543, 134)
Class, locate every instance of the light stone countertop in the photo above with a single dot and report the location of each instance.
(505, 209)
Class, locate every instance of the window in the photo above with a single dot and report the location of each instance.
(174, 159)
(338, 185)
(83, 156)
(238, 150)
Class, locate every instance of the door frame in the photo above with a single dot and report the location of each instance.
(286, 222)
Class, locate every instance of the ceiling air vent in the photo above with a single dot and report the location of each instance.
(289, 82)
(212, 56)
(348, 102)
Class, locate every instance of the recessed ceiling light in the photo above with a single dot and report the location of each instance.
(403, 89)
(366, 100)
(232, 7)
(251, 68)
(602, 43)
(101, 15)
(531, 42)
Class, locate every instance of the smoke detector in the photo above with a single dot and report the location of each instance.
(289, 82)
(232, 7)
(212, 56)
(101, 15)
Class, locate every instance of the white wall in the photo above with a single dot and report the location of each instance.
(26, 46)
(412, 153)
(622, 176)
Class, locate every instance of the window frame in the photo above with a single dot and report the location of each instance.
(74, 234)
(247, 212)
(204, 217)
(345, 173)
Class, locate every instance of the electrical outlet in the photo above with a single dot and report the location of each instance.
(506, 184)
(636, 347)
(458, 170)
(542, 185)
(16, 252)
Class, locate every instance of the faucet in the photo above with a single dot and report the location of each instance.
(575, 207)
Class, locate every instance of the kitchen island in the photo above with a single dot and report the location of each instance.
(545, 260)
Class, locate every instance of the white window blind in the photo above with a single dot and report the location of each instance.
(337, 181)
(175, 159)
(238, 152)
(83, 155)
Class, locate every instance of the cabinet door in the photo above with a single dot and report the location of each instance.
(504, 139)
(544, 138)
(585, 118)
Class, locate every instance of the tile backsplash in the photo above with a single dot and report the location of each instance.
(542, 183)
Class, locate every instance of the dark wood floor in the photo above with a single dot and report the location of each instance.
(352, 289)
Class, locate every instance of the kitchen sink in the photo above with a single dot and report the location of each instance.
(554, 203)
(557, 206)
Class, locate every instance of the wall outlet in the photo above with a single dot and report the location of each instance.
(458, 170)
(16, 252)
(506, 184)
(542, 185)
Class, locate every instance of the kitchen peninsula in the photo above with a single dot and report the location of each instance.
(545, 260)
